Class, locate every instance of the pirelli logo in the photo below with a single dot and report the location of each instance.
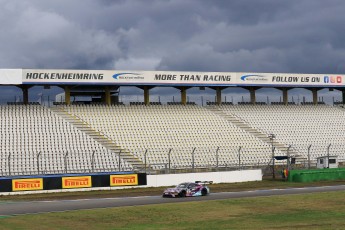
(122, 180)
(76, 182)
(27, 184)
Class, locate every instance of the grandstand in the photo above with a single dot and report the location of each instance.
(300, 126)
(110, 136)
(37, 139)
(34, 140)
(159, 128)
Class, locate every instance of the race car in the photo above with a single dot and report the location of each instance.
(197, 188)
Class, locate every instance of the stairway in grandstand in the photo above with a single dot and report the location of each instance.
(102, 139)
(263, 136)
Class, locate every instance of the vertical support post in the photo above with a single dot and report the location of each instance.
(9, 164)
(183, 95)
(145, 159)
(193, 163)
(343, 96)
(314, 91)
(274, 160)
(329, 146)
(217, 158)
(239, 158)
(285, 96)
(25, 90)
(67, 95)
(309, 156)
(169, 159)
(272, 136)
(218, 95)
(288, 157)
(65, 161)
(93, 161)
(38, 162)
(120, 160)
(107, 95)
(146, 95)
(252, 95)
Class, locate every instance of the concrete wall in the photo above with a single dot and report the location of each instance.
(170, 180)
(216, 177)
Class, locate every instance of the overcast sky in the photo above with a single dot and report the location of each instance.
(297, 36)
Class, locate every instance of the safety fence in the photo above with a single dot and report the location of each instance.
(166, 160)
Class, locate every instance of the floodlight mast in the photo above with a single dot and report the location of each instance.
(271, 136)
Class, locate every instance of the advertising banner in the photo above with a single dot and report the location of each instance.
(288, 79)
(32, 76)
(27, 184)
(124, 180)
(77, 182)
(172, 78)
(10, 76)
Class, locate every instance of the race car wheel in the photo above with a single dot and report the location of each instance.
(182, 193)
(204, 192)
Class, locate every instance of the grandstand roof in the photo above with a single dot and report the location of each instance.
(166, 78)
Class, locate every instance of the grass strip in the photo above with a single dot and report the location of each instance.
(303, 211)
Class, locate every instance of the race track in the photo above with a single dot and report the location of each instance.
(20, 207)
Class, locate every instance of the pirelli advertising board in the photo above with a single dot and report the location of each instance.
(172, 78)
(124, 180)
(72, 181)
(77, 182)
(27, 184)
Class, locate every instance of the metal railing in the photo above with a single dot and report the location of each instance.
(169, 160)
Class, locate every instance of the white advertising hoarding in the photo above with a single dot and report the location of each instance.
(161, 78)
(289, 79)
(126, 77)
(10, 76)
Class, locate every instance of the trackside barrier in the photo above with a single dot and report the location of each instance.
(71, 181)
(53, 183)
(316, 175)
(216, 177)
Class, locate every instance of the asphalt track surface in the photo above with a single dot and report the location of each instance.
(11, 208)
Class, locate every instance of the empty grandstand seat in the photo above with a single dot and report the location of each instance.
(33, 133)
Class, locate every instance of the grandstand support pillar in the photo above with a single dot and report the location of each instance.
(252, 95)
(314, 92)
(183, 95)
(343, 95)
(146, 95)
(183, 90)
(25, 90)
(67, 95)
(218, 94)
(252, 90)
(146, 89)
(107, 95)
(285, 95)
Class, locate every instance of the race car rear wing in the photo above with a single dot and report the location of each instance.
(204, 182)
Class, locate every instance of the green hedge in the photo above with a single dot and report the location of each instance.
(316, 175)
